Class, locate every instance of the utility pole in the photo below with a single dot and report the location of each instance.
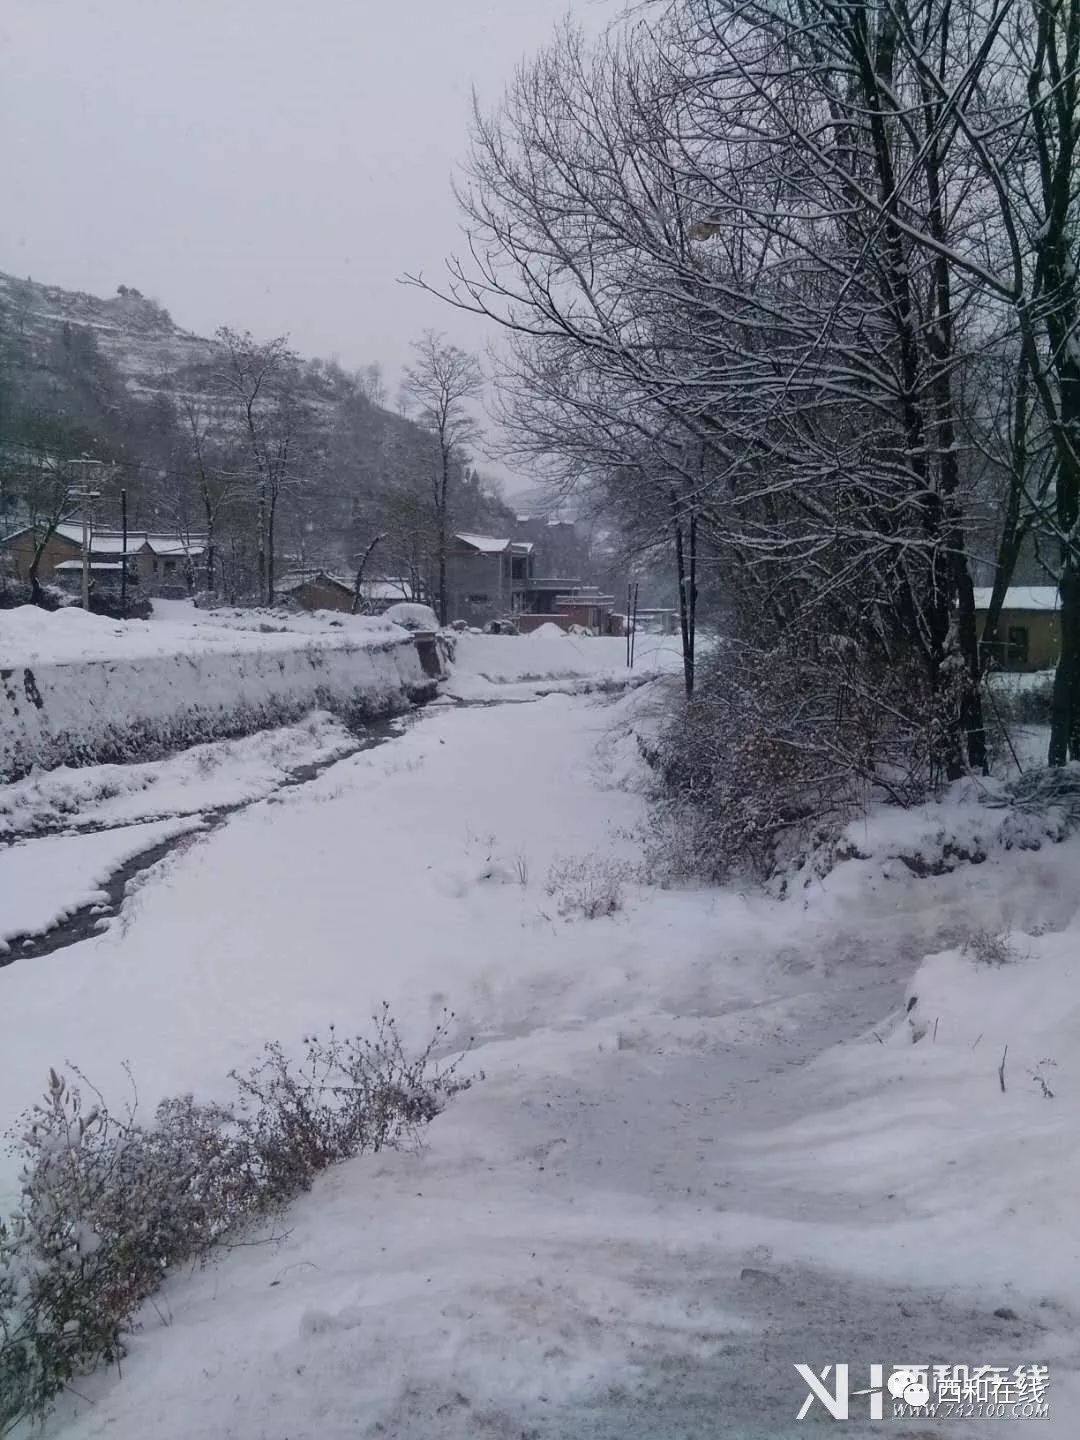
(87, 496)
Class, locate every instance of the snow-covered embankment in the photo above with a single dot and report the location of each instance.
(78, 689)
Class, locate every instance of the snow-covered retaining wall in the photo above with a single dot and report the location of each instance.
(67, 710)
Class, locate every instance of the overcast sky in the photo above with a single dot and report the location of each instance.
(273, 165)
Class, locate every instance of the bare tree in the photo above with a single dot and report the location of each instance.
(215, 486)
(775, 251)
(358, 583)
(440, 388)
(49, 481)
(274, 419)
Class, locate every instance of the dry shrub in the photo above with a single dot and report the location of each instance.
(588, 885)
(779, 748)
(108, 1205)
(989, 947)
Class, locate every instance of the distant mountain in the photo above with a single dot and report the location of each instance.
(116, 378)
(136, 335)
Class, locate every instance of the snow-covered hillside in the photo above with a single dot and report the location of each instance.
(136, 334)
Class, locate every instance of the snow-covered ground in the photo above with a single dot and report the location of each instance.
(707, 1146)
(203, 777)
(501, 668)
(77, 688)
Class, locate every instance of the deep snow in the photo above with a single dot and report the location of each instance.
(706, 1147)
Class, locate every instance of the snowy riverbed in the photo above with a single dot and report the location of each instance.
(705, 1149)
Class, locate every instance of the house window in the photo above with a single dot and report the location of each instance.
(169, 566)
(1016, 648)
(478, 599)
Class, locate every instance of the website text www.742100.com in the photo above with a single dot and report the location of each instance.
(911, 1391)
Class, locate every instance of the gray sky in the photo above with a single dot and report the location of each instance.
(268, 164)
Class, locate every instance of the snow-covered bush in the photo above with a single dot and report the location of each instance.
(588, 885)
(346, 1096)
(778, 749)
(411, 616)
(1023, 699)
(108, 1205)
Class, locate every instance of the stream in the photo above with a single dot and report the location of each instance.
(89, 920)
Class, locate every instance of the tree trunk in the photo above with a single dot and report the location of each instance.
(260, 543)
(1065, 708)
(360, 573)
(271, 516)
(971, 712)
(210, 556)
(692, 616)
(1014, 527)
(684, 598)
(444, 491)
(37, 595)
(1065, 715)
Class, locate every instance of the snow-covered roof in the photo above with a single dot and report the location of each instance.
(296, 578)
(111, 542)
(1021, 597)
(161, 546)
(71, 532)
(486, 544)
(29, 530)
(73, 566)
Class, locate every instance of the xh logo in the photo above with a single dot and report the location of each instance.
(836, 1400)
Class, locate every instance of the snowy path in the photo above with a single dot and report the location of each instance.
(637, 1223)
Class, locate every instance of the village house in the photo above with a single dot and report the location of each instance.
(323, 590)
(483, 573)
(1029, 631)
(491, 577)
(562, 601)
(159, 564)
(316, 590)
